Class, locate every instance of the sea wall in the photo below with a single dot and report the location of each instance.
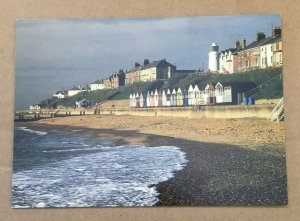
(241, 111)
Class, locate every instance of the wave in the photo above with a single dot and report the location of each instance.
(42, 133)
(117, 176)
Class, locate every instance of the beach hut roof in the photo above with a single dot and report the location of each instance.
(156, 92)
(179, 91)
(196, 88)
(191, 88)
(151, 93)
(168, 92)
(174, 91)
(141, 94)
(210, 86)
(137, 95)
(163, 92)
(148, 93)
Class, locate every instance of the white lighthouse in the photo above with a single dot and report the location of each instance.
(213, 58)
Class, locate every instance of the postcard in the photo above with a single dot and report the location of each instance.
(143, 112)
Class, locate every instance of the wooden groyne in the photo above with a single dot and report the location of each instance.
(30, 115)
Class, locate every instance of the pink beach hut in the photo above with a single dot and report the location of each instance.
(148, 98)
(141, 100)
(151, 99)
(137, 98)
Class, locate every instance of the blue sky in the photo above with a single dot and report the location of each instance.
(79, 51)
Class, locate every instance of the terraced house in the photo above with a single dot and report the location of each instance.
(156, 70)
(264, 52)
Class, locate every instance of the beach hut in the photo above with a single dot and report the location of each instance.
(232, 92)
(164, 98)
(179, 97)
(191, 95)
(198, 96)
(133, 100)
(185, 97)
(145, 99)
(159, 98)
(168, 101)
(148, 99)
(141, 100)
(151, 99)
(130, 100)
(174, 98)
(209, 94)
(137, 99)
(155, 98)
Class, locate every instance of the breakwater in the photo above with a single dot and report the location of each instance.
(234, 111)
(228, 111)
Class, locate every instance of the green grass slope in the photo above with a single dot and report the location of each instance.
(273, 89)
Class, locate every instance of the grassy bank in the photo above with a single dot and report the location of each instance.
(271, 91)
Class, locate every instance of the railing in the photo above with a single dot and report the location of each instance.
(277, 112)
(267, 83)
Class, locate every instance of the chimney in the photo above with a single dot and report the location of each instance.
(146, 61)
(276, 31)
(237, 44)
(260, 36)
(136, 65)
(244, 43)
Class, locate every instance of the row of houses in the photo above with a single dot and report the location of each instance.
(262, 53)
(148, 71)
(212, 94)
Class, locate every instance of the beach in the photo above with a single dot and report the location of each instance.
(230, 161)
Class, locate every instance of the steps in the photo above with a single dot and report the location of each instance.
(277, 113)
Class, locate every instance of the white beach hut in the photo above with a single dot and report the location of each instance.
(199, 99)
(133, 100)
(130, 100)
(179, 97)
(164, 98)
(191, 95)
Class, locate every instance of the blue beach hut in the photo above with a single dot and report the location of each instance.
(185, 96)
(145, 99)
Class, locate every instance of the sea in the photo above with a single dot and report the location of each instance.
(60, 169)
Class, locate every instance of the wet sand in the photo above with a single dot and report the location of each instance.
(231, 161)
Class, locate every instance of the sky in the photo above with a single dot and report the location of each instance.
(58, 54)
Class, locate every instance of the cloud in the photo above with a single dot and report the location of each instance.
(106, 45)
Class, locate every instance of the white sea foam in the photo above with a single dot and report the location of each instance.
(32, 131)
(114, 176)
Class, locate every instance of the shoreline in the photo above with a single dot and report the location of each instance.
(216, 174)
